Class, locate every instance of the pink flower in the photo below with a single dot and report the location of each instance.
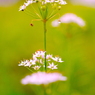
(5, 3)
(43, 78)
(69, 18)
(89, 3)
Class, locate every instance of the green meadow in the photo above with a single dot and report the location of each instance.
(76, 45)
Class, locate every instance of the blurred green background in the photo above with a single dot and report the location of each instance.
(19, 40)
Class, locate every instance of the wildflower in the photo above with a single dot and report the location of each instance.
(43, 78)
(22, 8)
(88, 3)
(41, 61)
(62, 2)
(43, 2)
(52, 66)
(69, 18)
(32, 62)
(36, 67)
(60, 60)
(39, 54)
(25, 63)
(37, 61)
(49, 56)
(72, 18)
(57, 59)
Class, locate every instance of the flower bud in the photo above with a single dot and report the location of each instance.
(43, 7)
(59, 7)
(54, 6)
(31, 24)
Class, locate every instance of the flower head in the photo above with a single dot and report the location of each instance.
(22, 8)
(43, 2)
(37, 61)
(36, 67)
(39, 54)
(43, 78)
(52, 66)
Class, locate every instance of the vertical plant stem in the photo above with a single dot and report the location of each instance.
(45, 43)
(44, 90)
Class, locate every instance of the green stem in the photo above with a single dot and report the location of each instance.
(29, 69)
(44, 22)
(44, 89)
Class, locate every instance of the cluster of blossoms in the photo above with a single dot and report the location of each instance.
(69, 18)
(38, 61)
(43, 3)
(43, 78)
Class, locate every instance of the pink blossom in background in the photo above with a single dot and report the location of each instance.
(43, 78)
(89, 3)
(5, 3)
(55, 23)
(69, 18)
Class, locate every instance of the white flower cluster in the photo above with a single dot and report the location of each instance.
(38, 61)
(43, 78)
(28, 2)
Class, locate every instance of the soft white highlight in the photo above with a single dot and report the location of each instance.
(43, 78)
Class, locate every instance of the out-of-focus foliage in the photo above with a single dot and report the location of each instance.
(19, 40)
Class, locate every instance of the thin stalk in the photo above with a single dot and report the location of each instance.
(45, 92)
(36, 12)
(30, 12)
(52, 15)
(44, 22)
(44, 89)
(29, 69)
(30, 15)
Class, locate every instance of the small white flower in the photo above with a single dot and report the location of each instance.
(29, 2)
(21, 64)
(60, 60)
(62, 2)
(55, 59)
(40, 61)
(32, 62)
(52, 66)
(28, 64)
(49, 56)
(49, 1)
(39, 54)
(57, 1)
(25, 63)
(22, 8)
(36, 67)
